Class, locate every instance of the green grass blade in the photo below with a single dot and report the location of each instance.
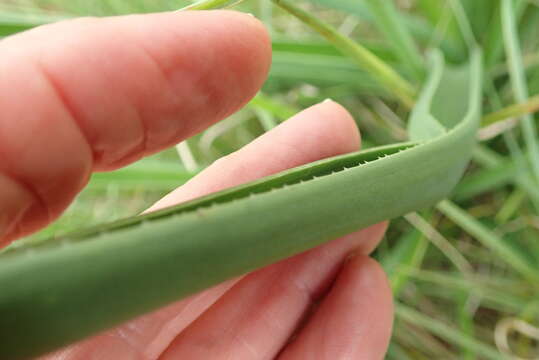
(445, 27)
(447, 333)
(521, 110)
(485, 180)
(389, 20)
(463, 23)
(323, 71)
(440, 242)
(207, 5)
(388, 77)
(156, 175)
(493, 43)
(518, 81)
(419, 28)
(500, 297)
(466, 323)
(279, 110)
(499, 246)
(511, 205)
(408, 254)
(357, 8)
(492, 160)
(12, 22)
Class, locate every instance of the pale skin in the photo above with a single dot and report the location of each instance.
(97, 94)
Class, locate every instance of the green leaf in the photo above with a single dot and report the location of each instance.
(423, 125)
(516, 71)
(12, 22)
(525, 108)
(447, 333)
(493, 42)
(389, 20)
(208, 5)
(501, 247)
(407, 254)
(349, 6)
(375, 66)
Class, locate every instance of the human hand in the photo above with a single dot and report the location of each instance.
(93, 95)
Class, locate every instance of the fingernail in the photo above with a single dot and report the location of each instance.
(250, 14)
(327, 100)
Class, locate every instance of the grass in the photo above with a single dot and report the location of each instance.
(368, 50)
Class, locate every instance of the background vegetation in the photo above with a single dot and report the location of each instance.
(460, 271)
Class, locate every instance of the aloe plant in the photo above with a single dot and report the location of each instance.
(208, 240)
(234, 231)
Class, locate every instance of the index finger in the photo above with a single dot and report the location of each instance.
(95, 94)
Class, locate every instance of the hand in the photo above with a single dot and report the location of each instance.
(93, 95)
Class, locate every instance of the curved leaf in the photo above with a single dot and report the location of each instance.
(67, 288)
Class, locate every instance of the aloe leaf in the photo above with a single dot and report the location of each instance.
(67, 288)
(423, 125)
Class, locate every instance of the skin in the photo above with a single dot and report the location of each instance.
(97, 94)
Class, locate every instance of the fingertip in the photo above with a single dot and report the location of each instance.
(344, 127)
(372, 237)
(255, 39)
(369, 271)
(370, 280)
(251, 23)
(364, 241)
(354, 321)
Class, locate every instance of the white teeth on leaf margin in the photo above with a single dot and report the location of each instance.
(145, 222)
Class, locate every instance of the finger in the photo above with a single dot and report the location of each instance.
(271, 301)
(368, 243)
(94, 94)
(145, 337)
(354, 321)
(152, 334)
